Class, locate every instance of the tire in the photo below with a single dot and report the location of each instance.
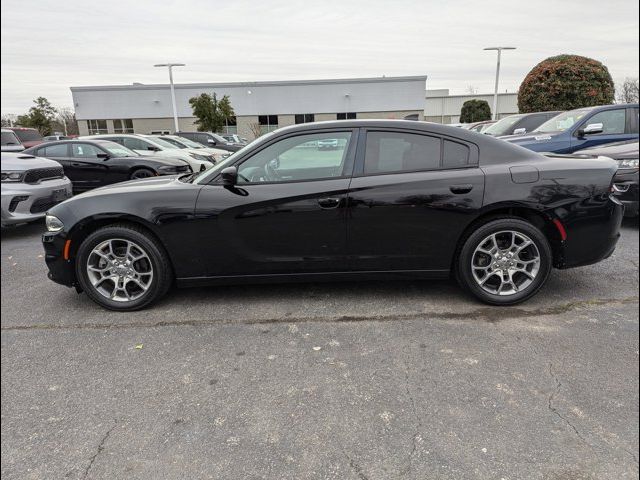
(512, 276)
(139, 173)
(136, 290)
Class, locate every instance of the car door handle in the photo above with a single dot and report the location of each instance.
(459, 189)
(328, 203)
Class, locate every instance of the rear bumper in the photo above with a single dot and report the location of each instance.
(593, 234)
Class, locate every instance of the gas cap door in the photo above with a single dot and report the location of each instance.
(524, 174)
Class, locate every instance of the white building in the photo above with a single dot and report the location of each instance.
(440, 107)
(259, 106)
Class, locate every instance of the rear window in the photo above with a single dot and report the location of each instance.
(455, 155)
(54, 151)
(28, 135)
(8, 138)
(389, 152)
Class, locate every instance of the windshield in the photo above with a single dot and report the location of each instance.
(502, 127)
(229, 160)
(8, 138)
(563, 121)
(185, 142)
(118, 150)
(163, 143)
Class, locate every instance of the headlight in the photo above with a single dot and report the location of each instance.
(12, 176)
(628, 163)
(54, 224)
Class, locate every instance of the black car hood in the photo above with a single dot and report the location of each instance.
(161, 183)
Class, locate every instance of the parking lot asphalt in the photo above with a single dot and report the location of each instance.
(370, 380)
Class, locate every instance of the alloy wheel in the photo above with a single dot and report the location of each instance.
(119, 270)
(505, 263)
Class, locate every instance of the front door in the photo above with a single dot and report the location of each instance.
(411, 197)
(89, 171)
(286, 215)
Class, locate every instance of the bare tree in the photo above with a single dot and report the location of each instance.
(8, 120)
(256, 130)
(65, 121)
(627, 91)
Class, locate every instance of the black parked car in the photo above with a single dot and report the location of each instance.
(209, 139)
(626, 180)
(399, 199)
(518, 124)
(95, 163)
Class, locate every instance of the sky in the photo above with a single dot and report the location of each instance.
(49, 46)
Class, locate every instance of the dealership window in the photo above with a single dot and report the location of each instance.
(123, 126)
(230, 126)
(391, 152)
(305, 118)
(97, 126)
(346, 116)
(268, 123)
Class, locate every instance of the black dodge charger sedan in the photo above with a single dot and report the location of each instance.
(396, 199)
(95, 163)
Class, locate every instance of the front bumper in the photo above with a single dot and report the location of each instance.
(23, 202)
(626, 183)
(61, 270)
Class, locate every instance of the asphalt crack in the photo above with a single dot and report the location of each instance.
(417, 423)
(488, 314)
(357, 469)
(555, 410)
(99, 450)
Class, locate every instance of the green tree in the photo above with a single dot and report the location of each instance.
(565, 82)
(211, 113)
(475, 111)
(39, 117)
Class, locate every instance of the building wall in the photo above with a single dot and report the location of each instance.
(441, 107)
(245, 123)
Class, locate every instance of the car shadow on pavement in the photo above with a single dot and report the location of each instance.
(22, 230)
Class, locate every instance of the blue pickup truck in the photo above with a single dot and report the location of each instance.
(582, 128)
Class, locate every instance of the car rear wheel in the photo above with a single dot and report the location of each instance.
(141, 173)
(121, 267)
(504, 261)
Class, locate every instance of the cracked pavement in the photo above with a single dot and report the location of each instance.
(363, 381)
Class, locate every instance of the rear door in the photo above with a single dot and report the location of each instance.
(411, 197)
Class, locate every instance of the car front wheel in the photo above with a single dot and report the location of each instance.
(504, 262)
(122, 267)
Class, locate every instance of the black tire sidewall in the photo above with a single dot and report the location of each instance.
(155, 289)
(463, 268)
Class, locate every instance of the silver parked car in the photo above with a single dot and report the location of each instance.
(30, 186)
(10, 141)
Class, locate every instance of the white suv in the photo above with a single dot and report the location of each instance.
(149, 145)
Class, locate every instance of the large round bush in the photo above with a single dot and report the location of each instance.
(565, 82)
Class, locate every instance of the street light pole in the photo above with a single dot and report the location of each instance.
(495, 92)
(173, 92)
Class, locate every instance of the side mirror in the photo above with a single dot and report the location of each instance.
(229, 176)
(520, 131)
(103, 156)
(591, 129)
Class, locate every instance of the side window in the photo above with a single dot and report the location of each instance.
(303, 157)
(389, 152)
(135, 143)
(54, 151)
(613, 121)
(84, 150)
(455, 155)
